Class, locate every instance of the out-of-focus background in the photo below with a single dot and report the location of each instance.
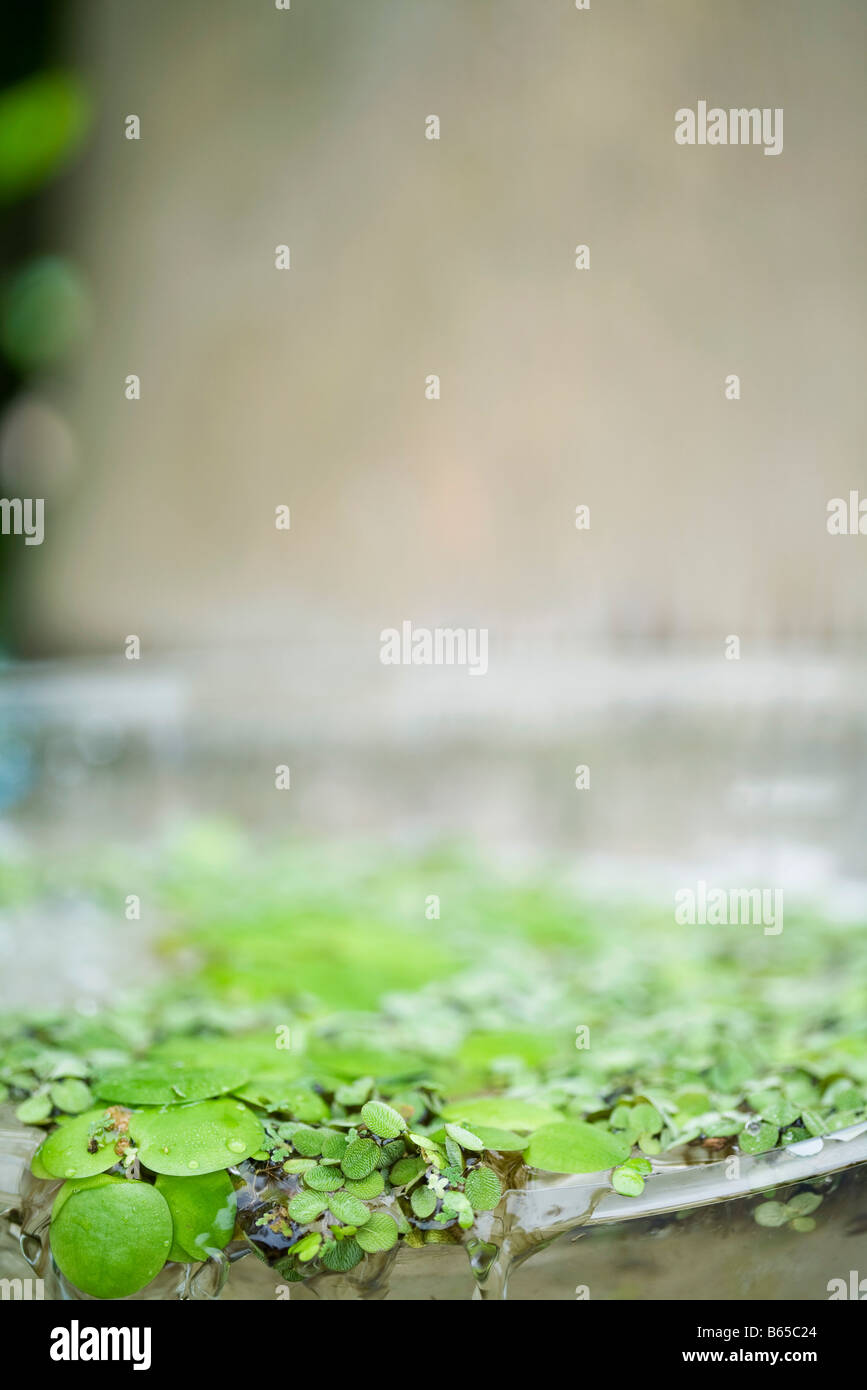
(559, 387)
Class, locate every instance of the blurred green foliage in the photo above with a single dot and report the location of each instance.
(44, 120)
(45, 311)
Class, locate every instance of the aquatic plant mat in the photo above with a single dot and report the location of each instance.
(346, 1065)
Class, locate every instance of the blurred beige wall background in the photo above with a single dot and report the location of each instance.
(456, 257)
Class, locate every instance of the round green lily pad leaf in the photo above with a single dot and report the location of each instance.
(65, 1152)
(324, 1177)
(38, 1168)
(348, 1209)
(73, 1185)
(203, 1213)
(502, 1112)
(378, 1233)
(307, 1206)
(112, 1240)
(759, 1139)
(483, 1189)
(649, 1144)
(813, 1123)
(165, 1083)
(571, 1146)
(382, 1121)
(360, 1158)
(35, 1110)
(774, 1108)
(639, 1165)
(341, 1255)
(201, 1138)
(366, 1188)
(72, 1096)
(281, 1095)
(627, 1182)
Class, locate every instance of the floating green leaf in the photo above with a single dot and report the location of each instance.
(423, 1202)
(299, 1165)
(465, 1138)
(273, 1091)
(38, 1168)
(649, 1144)
(483, 1189)
(348, 1209)
(360, 1158)
(35, 1110)
(341, 1255)
(814, 1124)
(758, 1139)
(203, 1213)
(307, 1206)
(72, 1096)
(390, 1152)
(334, 1145)
(112, 1240)
(366, 1188)
(200, 1138)
(433, 1152)
(307, 1246)
(501, 1112)
(324, 1178)
(571, 1146)
(641, 1118)
(639, 1165)
(627, 1182)
(308, 1142)
(455, 1158)
(379, 1233)
(500, 1140)
(165, 1083)
(774, 1108)
(73, 1185)
(406, 1170)
(65, 1153)
(382, 1121)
